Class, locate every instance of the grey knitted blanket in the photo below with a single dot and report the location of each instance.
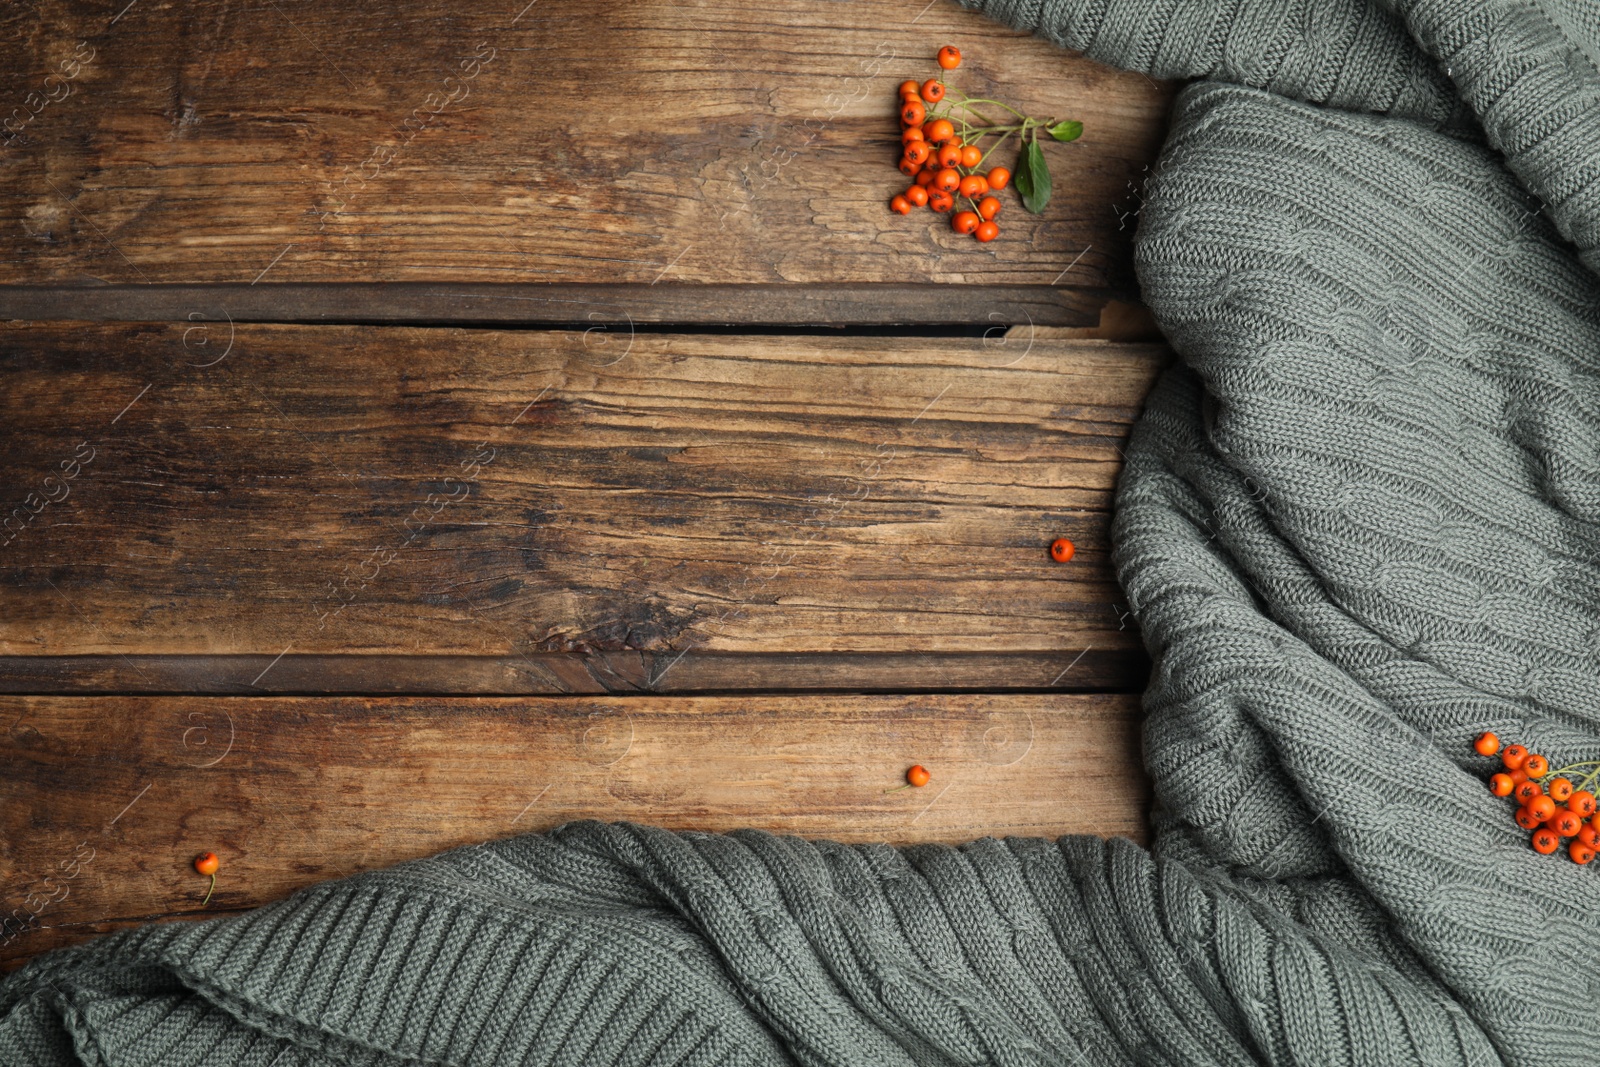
(1360, 526)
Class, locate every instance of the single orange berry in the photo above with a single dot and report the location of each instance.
(1580, 853)
(1062, 550)
(1518, 775)
(924, 177)
(207, 863)
(917, 152)
(940, 200)
(1559, 790)
(1536, 766)
(918, 195)
(909, 88)
(911, 133)
(949, 154)
(989, 207)
(939, 131)
(1564, 822)
(1513, 756)
(1582, 802)
(1501, 784)
(971, 155)
(986, 231)
(1546, 840)
(918, 776)
(971, 185)
(933, 90)
(948, 179)
(999, 178)
(1542, 807)
(901, 205)
(1487, 744)
(949, 57)
(912, 113)
(1588, 835)
(909, 169)
(1525, 791)
(1527, 819)
(965, 221)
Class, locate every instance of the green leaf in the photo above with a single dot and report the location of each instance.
(1067, 131)
(1032, 178)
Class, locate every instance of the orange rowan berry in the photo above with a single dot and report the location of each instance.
(965, 221)
(1501, 784)
(950, 154)
(989, 207)
(911, 133)
(939, 130)
(1582, 802)
(1527, 819)
(207, 863)
(1518, 775)
(912, 113)
(918, 195)
(924, 177)
(1542, 807)
(909, 88)
(933, 90)
(917, 776)
(1546, 840)
(1536, 765)
(999, 177)
(949, 57)
(1487, 744)
(973, 185)
(1559, 790)
(1588, 835)
(986, 231)
(1525, 791)
(971, 155)
(940, 200)
(917, 152)
(1564, 822)
(947, 179)
(1512, 756)
(1062, 550)
(1580, 853)
(909, 169)
(901, 205)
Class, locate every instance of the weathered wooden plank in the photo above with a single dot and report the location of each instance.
(109, 799)
(574, 141)
(598, 672)
(276, 490)
(487, 304)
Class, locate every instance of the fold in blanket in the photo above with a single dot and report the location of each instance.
(1359, 526)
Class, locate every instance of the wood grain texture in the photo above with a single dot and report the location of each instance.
(593, 672)
(277, 490)
(986, 307)
(575, 141)
(110, 799)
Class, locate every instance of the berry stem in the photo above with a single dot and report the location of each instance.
(210, 891)
(966, 100)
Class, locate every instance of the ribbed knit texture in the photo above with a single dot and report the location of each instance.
(1361, 524)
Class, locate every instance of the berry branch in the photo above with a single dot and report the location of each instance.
(940, 151)
(1550, 805)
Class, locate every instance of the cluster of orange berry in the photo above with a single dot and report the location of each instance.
(940, 153)
(1548, 803)
(942, 165)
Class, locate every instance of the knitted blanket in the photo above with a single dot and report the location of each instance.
(1361, 525)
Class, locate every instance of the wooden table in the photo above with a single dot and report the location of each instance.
(424, 428)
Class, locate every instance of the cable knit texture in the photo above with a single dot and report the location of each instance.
(1360, 524)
